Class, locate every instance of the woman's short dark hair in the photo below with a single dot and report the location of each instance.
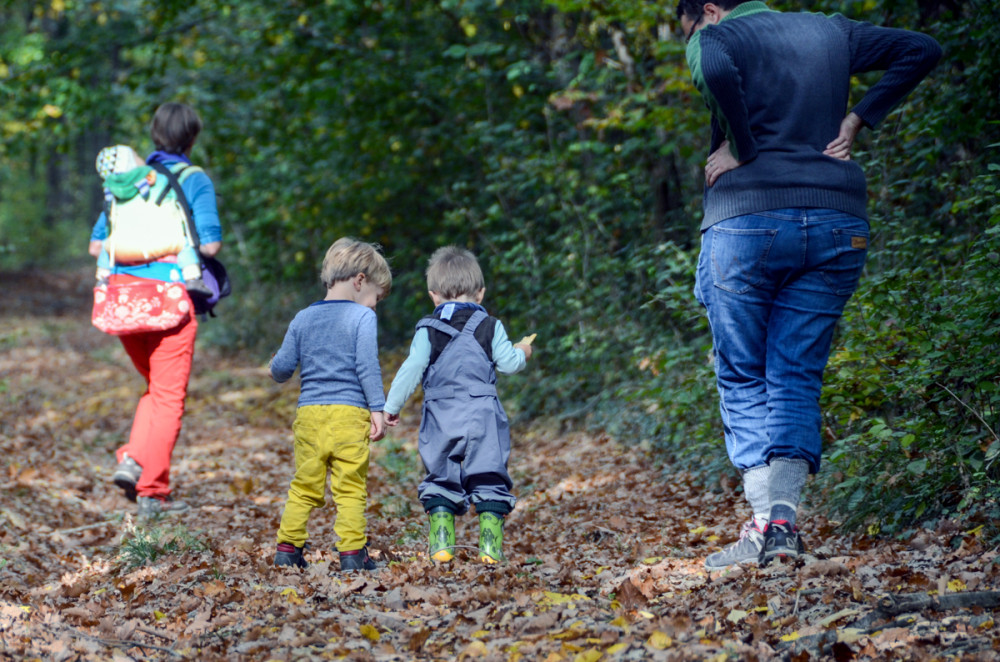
(175, 127)
(693, 9)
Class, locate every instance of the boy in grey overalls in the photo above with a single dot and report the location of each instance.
(464, 436)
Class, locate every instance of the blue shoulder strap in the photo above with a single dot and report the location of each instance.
(437, 325)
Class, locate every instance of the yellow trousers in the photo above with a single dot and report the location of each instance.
(329, 439)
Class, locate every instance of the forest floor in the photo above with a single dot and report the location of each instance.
(605, 549)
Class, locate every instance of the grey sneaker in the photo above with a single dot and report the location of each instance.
(126, 475)
(155, 507)
(782, 541)
(746, 548)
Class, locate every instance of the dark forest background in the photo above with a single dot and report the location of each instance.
(562, 141)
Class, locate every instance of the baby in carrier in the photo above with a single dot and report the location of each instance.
(126, 175)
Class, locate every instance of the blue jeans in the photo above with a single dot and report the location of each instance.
(774, 285)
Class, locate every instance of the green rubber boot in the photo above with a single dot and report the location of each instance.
(490, 538)
(442, 534)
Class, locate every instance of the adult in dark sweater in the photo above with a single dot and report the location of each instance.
(785, 230)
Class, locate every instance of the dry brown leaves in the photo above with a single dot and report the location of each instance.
(605, 551)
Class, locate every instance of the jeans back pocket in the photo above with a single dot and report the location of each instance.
(739, 257)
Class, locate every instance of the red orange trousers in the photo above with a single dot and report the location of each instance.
(163, 358)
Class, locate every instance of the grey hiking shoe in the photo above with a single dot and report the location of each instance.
(746, 548)
(150, 507)
(781, 541)
(126, 475)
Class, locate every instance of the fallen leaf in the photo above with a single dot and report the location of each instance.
(475, 649)
(660, 640)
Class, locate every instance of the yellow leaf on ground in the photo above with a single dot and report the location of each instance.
(791, 637)
(660, 640)
(589, 655)
(700, 529)
(736, 615)
(956, 585)
(159, 615)
(293, 596)
(652, 560)
(836, 617)
(474, 649)
(551, 598)
(614, 649)
(369, 632)
(646, 614)
(478, 634)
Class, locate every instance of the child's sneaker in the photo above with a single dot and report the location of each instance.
(357, 560)
(290, 555)
(151, 506)
(746, 548)
(490, 538)
(781, 540)
(442, 534)
(126, 475)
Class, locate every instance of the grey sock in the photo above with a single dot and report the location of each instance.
(788, 477)
(756, 482)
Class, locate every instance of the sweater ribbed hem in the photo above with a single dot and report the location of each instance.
(720, 208)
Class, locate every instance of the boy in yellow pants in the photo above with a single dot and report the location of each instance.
(340, 406)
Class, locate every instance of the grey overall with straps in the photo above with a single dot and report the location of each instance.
(464, 433)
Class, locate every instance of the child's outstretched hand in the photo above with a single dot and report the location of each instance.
(525, 345)
(378, 426)
(392, 420)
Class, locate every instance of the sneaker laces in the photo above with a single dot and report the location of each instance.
(747, 528)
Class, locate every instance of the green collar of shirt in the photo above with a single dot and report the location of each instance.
(746, 9)
(693, 53)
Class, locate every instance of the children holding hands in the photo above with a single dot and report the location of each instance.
(464, 438)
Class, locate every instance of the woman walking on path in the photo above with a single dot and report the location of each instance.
(163, 358)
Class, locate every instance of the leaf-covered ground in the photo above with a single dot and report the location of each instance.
(605, 550)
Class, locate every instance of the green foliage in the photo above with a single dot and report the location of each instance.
(144, 545)
(914, 385)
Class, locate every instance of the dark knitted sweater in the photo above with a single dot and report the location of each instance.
(778, 85)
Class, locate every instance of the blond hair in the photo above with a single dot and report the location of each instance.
(453, 272)
(347, 258)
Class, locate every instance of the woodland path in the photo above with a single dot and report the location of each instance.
(605, 549)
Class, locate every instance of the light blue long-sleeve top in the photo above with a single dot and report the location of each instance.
(506, 358)
(336, 344)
